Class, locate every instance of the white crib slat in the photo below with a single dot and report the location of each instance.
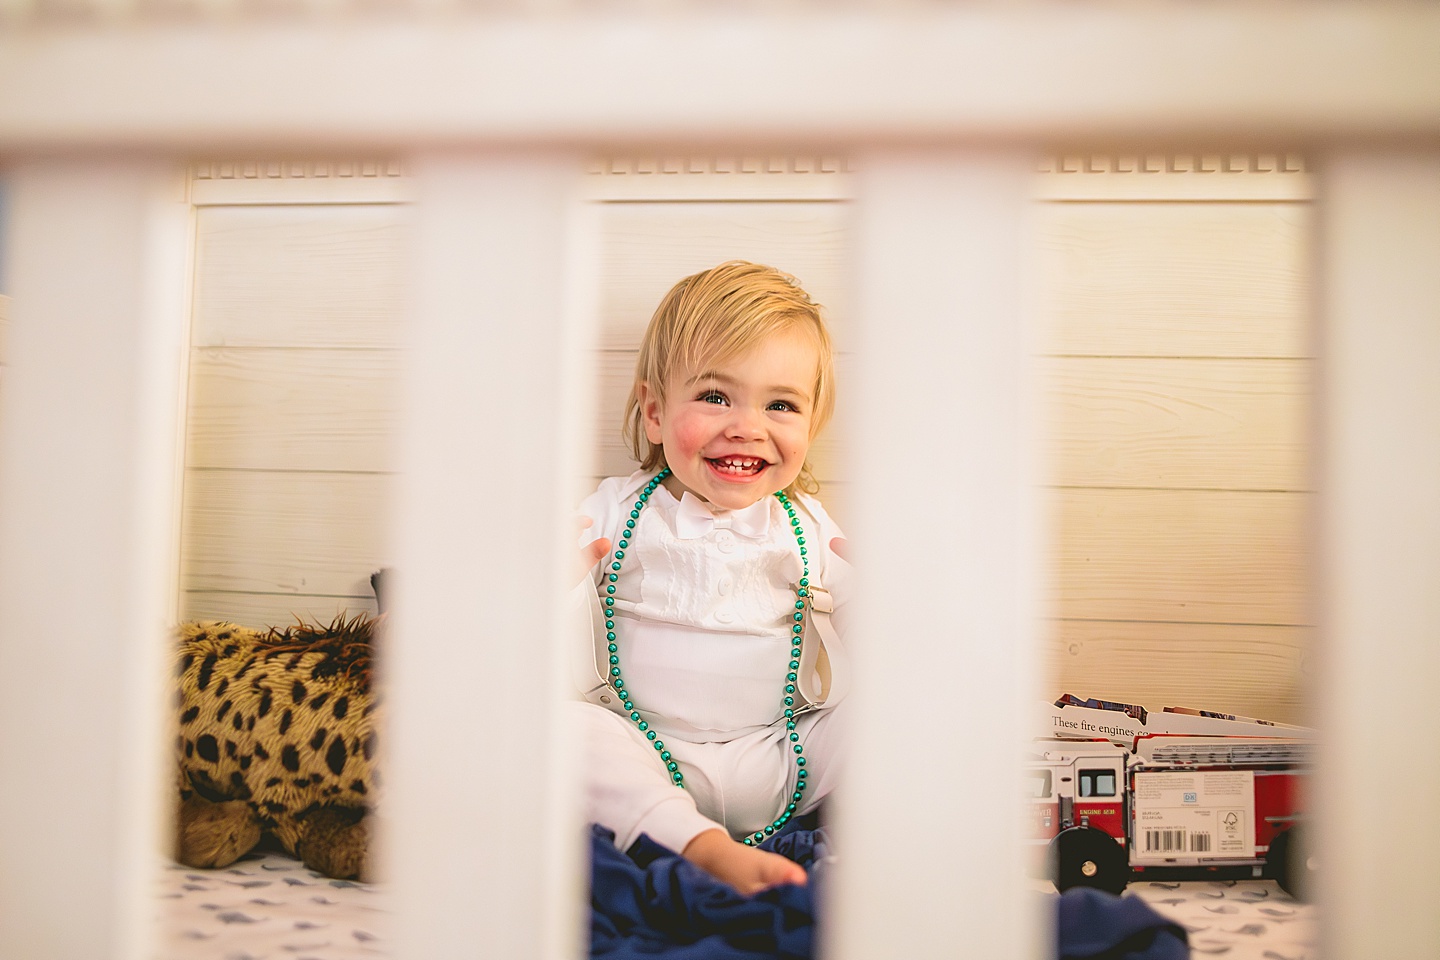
(945, 537)
(483, 818)
(88, 446)
(1379, 489)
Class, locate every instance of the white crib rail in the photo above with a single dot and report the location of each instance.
(479, 763)
(89, 558)
(1379, 556)
(86, 471)
(1278, 73)
(942, 455)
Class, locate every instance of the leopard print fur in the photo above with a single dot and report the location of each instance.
(276, 738)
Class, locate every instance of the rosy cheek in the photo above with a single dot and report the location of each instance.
(690, 436)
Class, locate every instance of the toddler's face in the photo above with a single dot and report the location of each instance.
(738, 431)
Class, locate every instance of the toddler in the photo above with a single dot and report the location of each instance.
(718, 597)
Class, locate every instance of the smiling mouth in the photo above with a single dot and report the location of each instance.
(738, 466)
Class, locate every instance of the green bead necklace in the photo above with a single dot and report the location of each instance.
(791, 677)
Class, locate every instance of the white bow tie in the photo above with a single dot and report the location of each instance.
(694, 519)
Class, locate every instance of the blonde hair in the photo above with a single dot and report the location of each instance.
(711, 318)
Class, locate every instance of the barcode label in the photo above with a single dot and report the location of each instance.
(1164, 841)
(1198, 815)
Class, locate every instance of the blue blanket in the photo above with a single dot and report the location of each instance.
(650, 902)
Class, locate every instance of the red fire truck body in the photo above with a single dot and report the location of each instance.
(1102, 811)
(1075, 782)
(1212, 801)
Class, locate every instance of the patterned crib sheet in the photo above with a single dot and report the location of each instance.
(1236, 919)
(270, 906)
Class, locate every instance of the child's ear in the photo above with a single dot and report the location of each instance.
(650, 410)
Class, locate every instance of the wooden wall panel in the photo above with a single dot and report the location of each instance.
(301, 275)
(1174, 298)
(277, 408)
(246, 182)
(1189, 177)
(1178, 422)
(1195, 556)
(272, 609)
(1250, 670)
(726, 178)
(1174, 279)
(292, 403)
(287, 533)
(646, 247)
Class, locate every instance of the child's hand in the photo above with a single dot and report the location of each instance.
(841, 547)
(590, 554)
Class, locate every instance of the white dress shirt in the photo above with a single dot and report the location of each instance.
(705, 603)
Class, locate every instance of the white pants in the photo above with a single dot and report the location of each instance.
(741, 785)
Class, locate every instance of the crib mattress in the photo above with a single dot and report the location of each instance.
(1236, 919)
(270, 906)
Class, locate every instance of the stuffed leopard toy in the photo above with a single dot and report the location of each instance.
(276, 739)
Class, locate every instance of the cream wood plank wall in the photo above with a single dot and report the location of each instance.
(1176, 368)
(1178, 379)
(298, 318)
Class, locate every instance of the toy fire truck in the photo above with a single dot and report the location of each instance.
(1176, 793)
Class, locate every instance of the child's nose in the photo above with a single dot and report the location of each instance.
(746, 424)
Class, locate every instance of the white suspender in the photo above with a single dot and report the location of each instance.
(824, 668)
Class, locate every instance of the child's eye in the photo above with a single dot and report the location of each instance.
(711, 396)
(783, 405)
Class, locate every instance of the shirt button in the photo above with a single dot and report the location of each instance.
(724, 616)
(724, 586)
(725, 540)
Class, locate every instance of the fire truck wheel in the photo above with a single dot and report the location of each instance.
(1290, 864)
(1088, 857)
